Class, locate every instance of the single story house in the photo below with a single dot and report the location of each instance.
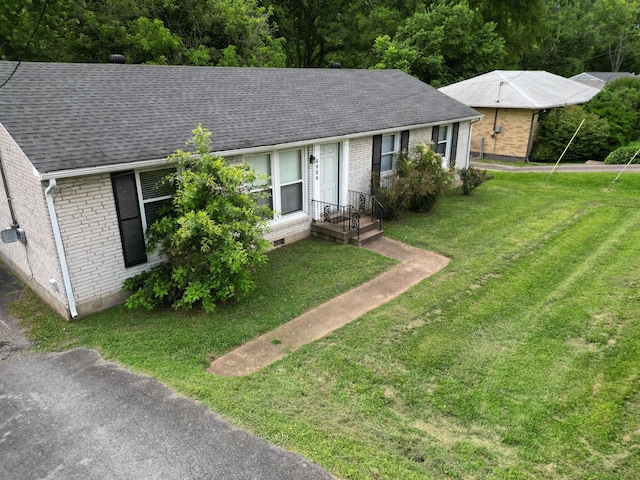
(511, 102)
(599, 79)
(83, 145)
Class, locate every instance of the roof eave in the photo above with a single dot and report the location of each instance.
(140, 164)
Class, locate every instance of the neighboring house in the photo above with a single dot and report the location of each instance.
(82, 146)
(599, 79)
(511, 102)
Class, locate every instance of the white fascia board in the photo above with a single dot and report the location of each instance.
(81, 172)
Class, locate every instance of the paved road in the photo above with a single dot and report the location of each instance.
(73, 415)
(565, 167)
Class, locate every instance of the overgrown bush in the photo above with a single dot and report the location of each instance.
(619, 103)
(622, 155)
(416, 183)
(472, 178)
(558, 127)
(211, 234)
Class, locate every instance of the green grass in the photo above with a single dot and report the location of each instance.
(519, 360)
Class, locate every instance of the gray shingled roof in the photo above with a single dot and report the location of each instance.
(69, 116)
(530, 89)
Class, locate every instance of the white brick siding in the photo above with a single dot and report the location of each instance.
(360, 153)
(89, 227)
(35, 263)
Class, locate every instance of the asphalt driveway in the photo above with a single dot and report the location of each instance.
(73, 415)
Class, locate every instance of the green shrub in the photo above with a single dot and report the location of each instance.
(622, 155)
(211, 234)
(416, 184)
(472, 178)
(619, 103)
(558, 127)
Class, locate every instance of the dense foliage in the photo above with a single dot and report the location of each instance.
(559, 126)
(619, 104)
(210, 233)
(472, 178)
(623, 155)
(415, 184)
(437, 40)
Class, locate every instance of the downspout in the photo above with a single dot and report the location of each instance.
(60, 248)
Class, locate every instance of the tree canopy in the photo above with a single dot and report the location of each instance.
(436, 40)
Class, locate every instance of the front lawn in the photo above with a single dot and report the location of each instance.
(519, 360)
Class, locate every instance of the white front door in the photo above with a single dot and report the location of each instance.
(328, 173)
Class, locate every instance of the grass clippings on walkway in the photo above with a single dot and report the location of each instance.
(519, 360)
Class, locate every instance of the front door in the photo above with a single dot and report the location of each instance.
(328, 173)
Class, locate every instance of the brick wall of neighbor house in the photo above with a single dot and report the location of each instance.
(89, 227)
(512, 141)
(35, 263)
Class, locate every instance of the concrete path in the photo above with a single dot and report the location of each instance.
(416, 265)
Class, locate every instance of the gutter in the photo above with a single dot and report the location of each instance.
(60, 249)
(79, 172)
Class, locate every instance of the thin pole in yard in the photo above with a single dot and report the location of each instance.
(565, 150)
(625, 167)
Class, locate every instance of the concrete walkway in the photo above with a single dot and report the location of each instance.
(416, 265)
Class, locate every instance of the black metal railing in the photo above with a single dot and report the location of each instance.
(368, 204)
(348, 217)
(337, 215)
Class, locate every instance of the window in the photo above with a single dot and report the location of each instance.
(138, 198)
(388, 151)
(445, 142)
(287, 180)
(262, 165)
(152, 194)
(290, 170)
(385, 147)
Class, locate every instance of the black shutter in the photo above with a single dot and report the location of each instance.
(434, 136)
(129, 219)
(454, 145)
(404, 140)
(376, 160)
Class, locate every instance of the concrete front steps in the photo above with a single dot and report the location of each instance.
(369, 231)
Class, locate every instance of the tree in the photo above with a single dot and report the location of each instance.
(558, 127)
(211, 234)
(199, 32)
(446, 43)
(619, 103)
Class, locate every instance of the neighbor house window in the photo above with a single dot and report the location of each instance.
(287, 180)
(138, 198)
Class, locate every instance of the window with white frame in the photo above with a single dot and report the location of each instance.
(153, 193)
(286, 170)
(261, 164)
(442, 142)
(389, 150)
(138, 197)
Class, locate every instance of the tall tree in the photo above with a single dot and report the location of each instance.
(202, 32)
(446, 43)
